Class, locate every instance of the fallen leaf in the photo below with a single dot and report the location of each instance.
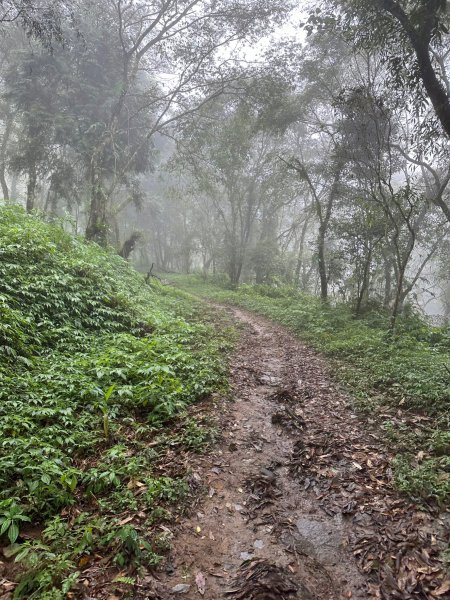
(84, 560)
(443, 588)
(201, 583)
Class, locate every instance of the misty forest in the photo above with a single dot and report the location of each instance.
(224, 299)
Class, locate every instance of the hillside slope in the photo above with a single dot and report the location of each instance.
(93, 362)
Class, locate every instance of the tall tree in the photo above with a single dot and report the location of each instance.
(410, 35)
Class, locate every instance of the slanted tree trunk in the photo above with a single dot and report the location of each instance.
(420, 38)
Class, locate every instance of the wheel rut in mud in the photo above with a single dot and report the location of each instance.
(298, 489)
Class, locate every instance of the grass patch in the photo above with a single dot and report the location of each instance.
(408, 372)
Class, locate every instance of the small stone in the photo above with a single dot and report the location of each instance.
(246, 556)
(181, 588)
(258, 544)
(11, 550)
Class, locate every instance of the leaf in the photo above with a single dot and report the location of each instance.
(84, 561)
(443, 588)
(109, 392)
(5, 525)
(45, 478)
(13, 533)
(201, 583)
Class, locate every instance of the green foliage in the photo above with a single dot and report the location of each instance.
(11, 517)
(52, 562)
(425, 481)
(92, 360)
(165, 489)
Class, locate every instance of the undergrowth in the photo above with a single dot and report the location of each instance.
(95, 365)
(406, 375)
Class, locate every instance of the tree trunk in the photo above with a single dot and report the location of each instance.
(31, 189)
(365, 283)
(301, 251)
(434, 88)
(206, 264)
(96, 229)
(235, 267)
(387, 266)
(3, 149)
(5, 190)
(397, 299)
(14, 180)
(129, 245)
(322, 264)
(420, 41)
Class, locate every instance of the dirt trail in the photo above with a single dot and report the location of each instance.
(269, 527)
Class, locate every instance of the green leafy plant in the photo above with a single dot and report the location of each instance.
(103, 406)
(82, 335)
(12, 516)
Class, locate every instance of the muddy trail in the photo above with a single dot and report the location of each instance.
(299, 501)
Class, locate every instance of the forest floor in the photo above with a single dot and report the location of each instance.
(300, 501)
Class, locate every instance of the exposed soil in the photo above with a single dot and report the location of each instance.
(300, 503)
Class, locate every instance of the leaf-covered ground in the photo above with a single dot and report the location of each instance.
(98, 370)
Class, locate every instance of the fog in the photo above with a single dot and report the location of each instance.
(248, 141)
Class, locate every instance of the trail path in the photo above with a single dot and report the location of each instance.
(298, 488)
